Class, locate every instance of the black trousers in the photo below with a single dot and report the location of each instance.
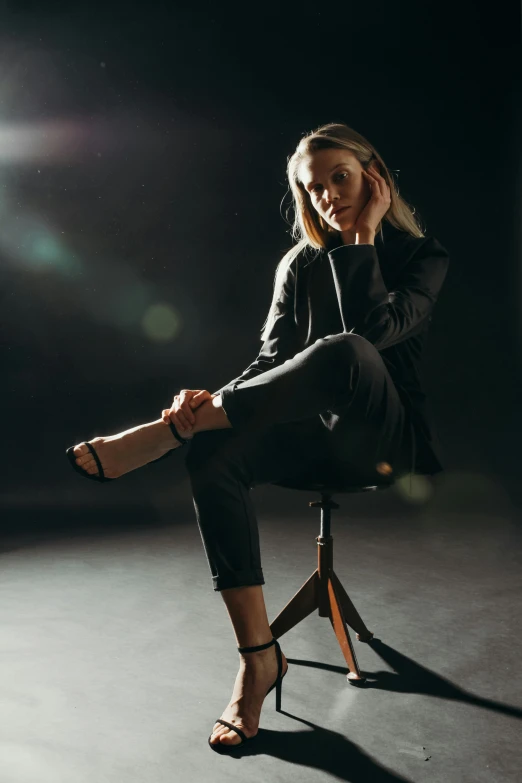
(332, 411)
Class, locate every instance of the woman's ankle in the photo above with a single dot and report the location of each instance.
(166, 438)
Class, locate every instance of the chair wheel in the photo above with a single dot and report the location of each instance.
(364, 637)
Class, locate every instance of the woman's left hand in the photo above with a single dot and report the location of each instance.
(378, 204)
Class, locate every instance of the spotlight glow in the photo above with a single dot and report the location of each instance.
(161, 323)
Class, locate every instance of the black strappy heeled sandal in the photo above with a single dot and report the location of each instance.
(71, 456)
(220, 747)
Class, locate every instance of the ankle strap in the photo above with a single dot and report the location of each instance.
(255, 649)
(177, 435)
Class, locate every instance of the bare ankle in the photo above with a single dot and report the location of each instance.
(165, 436)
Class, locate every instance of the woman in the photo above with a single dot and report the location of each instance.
(335, 391)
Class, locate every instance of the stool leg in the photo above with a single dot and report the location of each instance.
(303, 603)
(351, 615)
(354, 676)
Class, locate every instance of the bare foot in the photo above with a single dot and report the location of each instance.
(257, 672)
(128, 450)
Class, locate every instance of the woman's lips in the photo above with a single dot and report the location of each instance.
(339, 211)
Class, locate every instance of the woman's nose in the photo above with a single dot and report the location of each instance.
(330, 197)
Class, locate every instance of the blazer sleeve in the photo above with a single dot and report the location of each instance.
(281, 341)
(369, 309)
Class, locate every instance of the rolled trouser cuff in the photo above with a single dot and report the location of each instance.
(239, 579)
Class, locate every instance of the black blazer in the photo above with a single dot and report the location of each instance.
(384, 292)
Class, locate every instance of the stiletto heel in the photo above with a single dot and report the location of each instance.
(278, 684)
(279, 691)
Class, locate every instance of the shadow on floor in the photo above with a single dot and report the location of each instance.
(331, 751)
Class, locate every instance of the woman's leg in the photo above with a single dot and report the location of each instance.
(222, 469)
(342, 380)
(223, 465)
(257, 670)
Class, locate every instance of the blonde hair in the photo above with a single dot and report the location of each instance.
(309, 229)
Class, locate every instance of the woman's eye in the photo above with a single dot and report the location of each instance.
(342, 174)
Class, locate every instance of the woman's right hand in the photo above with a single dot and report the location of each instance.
(181, 412)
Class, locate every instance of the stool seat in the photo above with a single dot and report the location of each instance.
(330, 488)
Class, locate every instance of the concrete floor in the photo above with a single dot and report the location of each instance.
(118, 657)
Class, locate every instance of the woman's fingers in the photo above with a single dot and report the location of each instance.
(170, 416)
(184, 408)
(200, 397)
(181, 413)
(182, 419)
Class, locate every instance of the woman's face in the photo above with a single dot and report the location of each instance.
(333, 179)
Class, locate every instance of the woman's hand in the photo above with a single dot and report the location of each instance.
(180, 412)
(378, 204)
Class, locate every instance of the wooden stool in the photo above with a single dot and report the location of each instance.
(323, 590)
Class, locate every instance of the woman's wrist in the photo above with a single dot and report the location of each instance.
(365, 237)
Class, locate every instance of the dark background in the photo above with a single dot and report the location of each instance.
(142, 163)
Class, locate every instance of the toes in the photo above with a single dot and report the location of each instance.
(218, 730)
(89, 466)
(230, 738)
(215, 738)
(225, 735)
(81, 450)
(84, 459)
